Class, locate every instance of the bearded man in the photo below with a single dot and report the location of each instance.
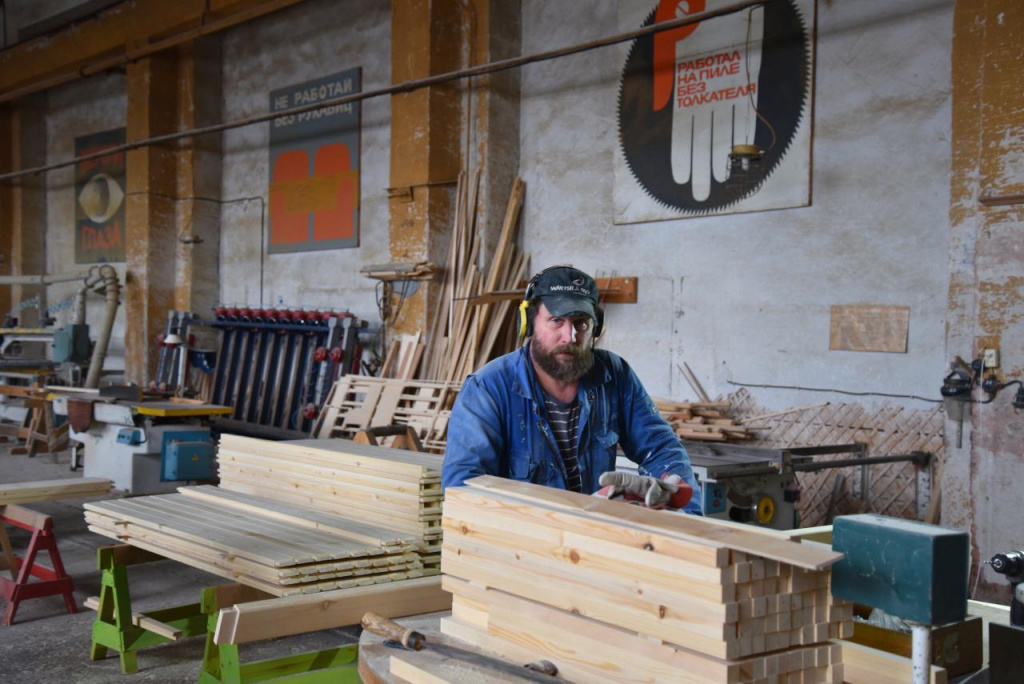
(556, 411)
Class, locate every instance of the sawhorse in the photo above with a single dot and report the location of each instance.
(53, 581)
(222, 665)
(117, 628)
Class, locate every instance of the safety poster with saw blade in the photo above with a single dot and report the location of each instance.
(314, 166)
(714, 117)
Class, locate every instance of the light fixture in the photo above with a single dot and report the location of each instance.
(745, 168)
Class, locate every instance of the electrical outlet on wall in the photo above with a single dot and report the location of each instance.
(991, 358)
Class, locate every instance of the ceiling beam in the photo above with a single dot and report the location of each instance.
(122, 34)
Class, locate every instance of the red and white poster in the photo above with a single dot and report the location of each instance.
(314, 166)
(99, 199)
(688, 96)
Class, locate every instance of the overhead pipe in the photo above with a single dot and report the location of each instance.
(401, 88)
(104, 282)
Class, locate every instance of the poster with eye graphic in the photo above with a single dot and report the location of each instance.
(714, 117)
(99, 199)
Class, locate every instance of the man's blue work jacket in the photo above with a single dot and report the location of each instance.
(499, 426)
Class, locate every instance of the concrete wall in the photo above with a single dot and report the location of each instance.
(747, 297)
(80, 108)
(314, 39)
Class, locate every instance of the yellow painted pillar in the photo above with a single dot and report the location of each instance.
(151, 229)
(23, 205)
(426, 127)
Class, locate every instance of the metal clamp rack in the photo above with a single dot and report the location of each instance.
(276, 367)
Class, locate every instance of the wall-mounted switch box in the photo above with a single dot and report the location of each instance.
(991, 358)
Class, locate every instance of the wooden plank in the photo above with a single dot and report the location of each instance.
(47, 490)
(139, 620)
(275, 618)
(689, 527)
(864, 665)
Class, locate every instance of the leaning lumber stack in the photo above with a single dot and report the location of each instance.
(48, 490)
(468, 328)
(612, 592)
(279, 549)
(390, 488)
(707, 421)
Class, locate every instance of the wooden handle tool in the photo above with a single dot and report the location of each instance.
(390, 629)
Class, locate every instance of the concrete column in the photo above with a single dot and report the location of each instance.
(198, 176)
(151, 226)
(495, 98)
(23, 204)
(980, 485)
(426, 125)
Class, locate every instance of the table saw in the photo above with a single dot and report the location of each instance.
(144, 447)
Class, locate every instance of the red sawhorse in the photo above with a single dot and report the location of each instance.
(53, 581)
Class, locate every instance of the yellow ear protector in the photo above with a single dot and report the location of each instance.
(526, 320)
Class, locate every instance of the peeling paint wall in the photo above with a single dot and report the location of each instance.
(747, 297)
(80, 108)
(986, 296)
(310, 40)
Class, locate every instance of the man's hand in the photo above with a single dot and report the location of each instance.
(668, 492)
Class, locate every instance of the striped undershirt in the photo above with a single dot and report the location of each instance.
(565, 420)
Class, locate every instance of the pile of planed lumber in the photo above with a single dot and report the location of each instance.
(707, 421)
(47, 490)
(358, 402)
(612, 592)
(391, 488)
(280, 549)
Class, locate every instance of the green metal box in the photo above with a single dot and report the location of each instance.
(914, 571)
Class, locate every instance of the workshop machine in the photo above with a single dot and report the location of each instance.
(758, 485)
(144, 447)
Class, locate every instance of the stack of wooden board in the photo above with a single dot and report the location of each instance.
(608, 591)
(357, 402)
(279, 549)
(47, 490)
(707, 421)
(390, 488)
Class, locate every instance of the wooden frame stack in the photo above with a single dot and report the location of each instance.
(609, 591)
(359, 402)
(390, 488)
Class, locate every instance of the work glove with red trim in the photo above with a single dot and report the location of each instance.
(668, 492)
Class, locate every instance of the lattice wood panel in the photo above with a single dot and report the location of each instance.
(886, 429)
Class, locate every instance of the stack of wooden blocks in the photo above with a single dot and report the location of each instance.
(707, 421)
(608, 591)
(390, 488)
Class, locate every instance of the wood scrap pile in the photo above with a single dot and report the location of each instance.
(358, 402)
(48, 490)
(468, 330)
(390, 488)
(279, 549)
(707, 421)
(609, 592)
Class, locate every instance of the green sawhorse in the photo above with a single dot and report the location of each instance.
(221, 664)
(117, 628)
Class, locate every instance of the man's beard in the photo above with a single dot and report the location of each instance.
(562, 370)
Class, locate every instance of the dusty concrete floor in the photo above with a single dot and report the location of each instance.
(48, 645)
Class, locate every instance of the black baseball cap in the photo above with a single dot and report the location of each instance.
(566, 291)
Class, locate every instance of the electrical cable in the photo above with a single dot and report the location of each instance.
(839, 391)
(234, 200)
(750, 92)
